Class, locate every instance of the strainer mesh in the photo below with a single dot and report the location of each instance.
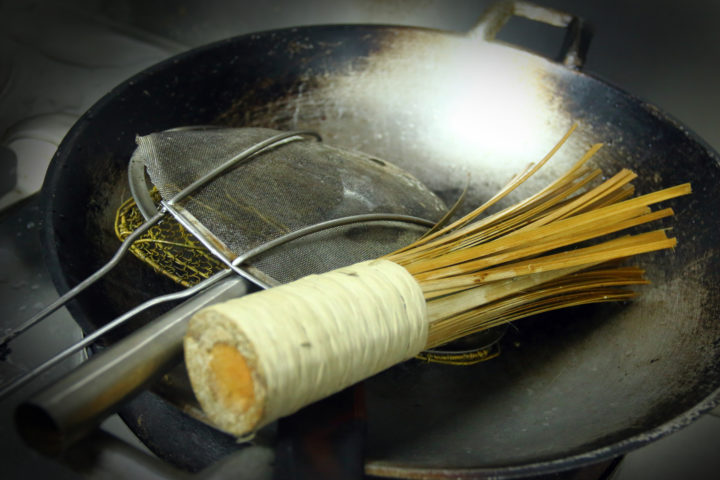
(291, 186)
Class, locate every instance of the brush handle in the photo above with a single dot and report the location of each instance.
(257, 358)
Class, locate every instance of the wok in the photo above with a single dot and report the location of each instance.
(569, 388)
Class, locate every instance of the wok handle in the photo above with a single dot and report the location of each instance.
(577, 36)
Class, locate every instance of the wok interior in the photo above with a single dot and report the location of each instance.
(585, 383)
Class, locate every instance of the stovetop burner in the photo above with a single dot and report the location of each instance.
(57, 59)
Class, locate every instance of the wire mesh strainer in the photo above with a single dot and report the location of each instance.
(292, 187)
(294, 207)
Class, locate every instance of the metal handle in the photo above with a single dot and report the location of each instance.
(577, 36)
(62, 413)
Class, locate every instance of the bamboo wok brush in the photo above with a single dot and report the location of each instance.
(257, 358)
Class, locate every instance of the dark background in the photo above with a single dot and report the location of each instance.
(58, 57)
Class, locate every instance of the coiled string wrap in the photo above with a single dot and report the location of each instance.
(255, 359)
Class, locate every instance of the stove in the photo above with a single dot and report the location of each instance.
(58, 57)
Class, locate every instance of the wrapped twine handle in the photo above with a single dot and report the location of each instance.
(257, 358)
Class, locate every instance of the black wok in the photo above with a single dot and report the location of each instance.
(569, 389)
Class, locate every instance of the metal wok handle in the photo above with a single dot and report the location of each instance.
(577, 36)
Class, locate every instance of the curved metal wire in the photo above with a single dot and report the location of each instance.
(89, 339)
(274, 141)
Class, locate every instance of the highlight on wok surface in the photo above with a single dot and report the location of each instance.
(257, 358)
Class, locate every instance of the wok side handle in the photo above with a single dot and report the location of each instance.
(577, 35)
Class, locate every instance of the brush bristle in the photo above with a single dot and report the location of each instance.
(547, 252)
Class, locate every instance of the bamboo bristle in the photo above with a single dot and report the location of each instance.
(540, 254)
(506, 190)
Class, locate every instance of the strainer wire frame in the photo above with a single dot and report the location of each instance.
(124, 247)
(234, 265)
